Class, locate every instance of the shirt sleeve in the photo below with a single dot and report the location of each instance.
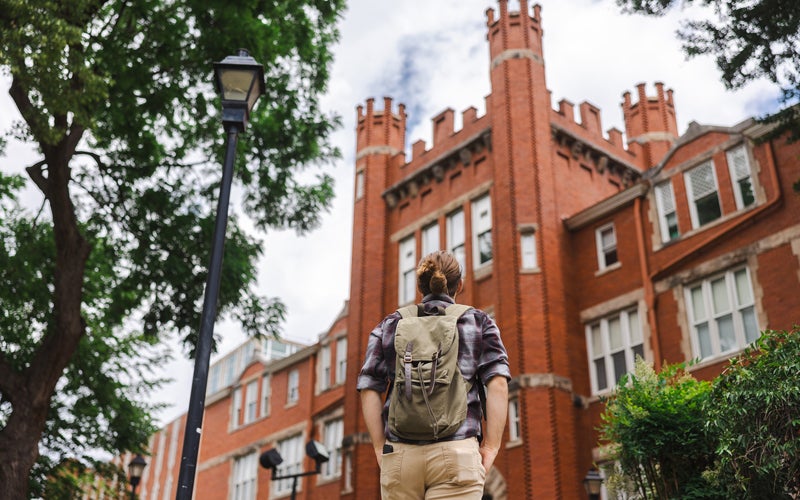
(374, 373)
(493, 360)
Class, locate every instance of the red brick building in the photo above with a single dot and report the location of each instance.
(587, 249)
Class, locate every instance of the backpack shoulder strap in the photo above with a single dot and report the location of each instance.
(457, 310)
(408, 311)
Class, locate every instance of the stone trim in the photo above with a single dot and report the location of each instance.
(616, 304)
(377, 150)
(535, 380)
(516, 54)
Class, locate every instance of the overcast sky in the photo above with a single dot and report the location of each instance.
(431, 55)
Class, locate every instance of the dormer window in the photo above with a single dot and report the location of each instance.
(701, 188)
(741, 177)
(667, 215)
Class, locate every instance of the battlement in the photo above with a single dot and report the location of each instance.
(650, 123)
(380, 131)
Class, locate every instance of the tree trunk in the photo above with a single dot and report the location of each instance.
(30, 390)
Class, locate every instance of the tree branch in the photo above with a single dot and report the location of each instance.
(35, 173)
(11, 382)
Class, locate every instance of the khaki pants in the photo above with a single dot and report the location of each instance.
(449, 469)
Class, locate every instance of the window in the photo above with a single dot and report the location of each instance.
(359, 184)
(293, 393)
(667, 216)
(482, 231)
(333, 434)
(408, 271)
(455, 238)
(701, 187)
(325, 368)
(251, 401)
(513, 420)
(244, 477)
(527, 243)
(213, 380)
(292, 452)
(236, 407)
(739, 166)
(614, 342)
(266, 391)
(341, 360)
(606, 246)
(430, 239)
(722, 314)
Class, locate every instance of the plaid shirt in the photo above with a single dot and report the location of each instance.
(480, 353)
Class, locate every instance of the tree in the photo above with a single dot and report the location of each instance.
(750, 39)
(754, 409)
(116, 97)
(656, 425)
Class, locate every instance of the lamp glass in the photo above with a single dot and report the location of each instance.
(593, 482)
(136, 467)
(237, 84)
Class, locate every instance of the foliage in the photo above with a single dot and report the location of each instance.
(749, 39)
(754, 409)
(656, 424)
(116, 97)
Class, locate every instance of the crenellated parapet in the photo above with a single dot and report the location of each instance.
(603, 161)
(380, 131)
(650, 123)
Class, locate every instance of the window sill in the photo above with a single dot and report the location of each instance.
(713, 360)
(514, 444)
(328, 480)
(530, 270)
(482, 272)
(608, 269)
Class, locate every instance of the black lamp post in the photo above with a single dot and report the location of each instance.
(240, 81)
(135, 470)
(271, 459)
(593, 482)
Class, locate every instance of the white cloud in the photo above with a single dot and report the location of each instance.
(433, 55)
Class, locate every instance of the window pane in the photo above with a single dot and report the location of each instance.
(430, 239)
(746, 191)
(743, 290)
(638, 350)
(727, 336)
(750, 326)
(702, 180)
(611, 257)
(614, 334)
(672, 226)
(597, 341)
(620, 367)
(528, 246)
(608, 238)
(698, 306)
(708, 209)
(634, 327)
(719, 295)
(485, 247)
(600, 373)
(704, 339)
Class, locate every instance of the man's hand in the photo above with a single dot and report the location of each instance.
(372, 406)
(496, 413)
(487, 457)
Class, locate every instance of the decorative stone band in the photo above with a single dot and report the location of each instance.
(377, 150)
(516, 54)
(653, 136)
(533, 380)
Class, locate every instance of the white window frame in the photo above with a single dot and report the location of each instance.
(266, 394)
(245, 474)
(732, 155)
(325, 368)
(292, 451)
(663, 191)
(456, 238)
(527, 246)
(407, 270)
(251, 402)
(341, 360)
(293, 387)
(604, 251)
(630, 343)
(692, 197)
(430, 239)
(333, 432)
(514, 423)
(741, 309)
(236, 407)
(481, 227)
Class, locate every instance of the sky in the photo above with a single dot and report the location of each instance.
(432, 55)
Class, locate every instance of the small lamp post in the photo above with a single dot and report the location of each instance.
(593, 483)
(135, 470)
(271, 459)
(240, 81)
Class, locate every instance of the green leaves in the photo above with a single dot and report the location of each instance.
(739, 437)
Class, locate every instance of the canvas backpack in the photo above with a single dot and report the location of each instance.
(428, 400)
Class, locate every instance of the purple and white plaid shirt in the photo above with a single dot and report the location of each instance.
(481, 354)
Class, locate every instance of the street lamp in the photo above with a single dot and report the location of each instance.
(135, 470)
(240, 81)
(593, 483)
(271, 459)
